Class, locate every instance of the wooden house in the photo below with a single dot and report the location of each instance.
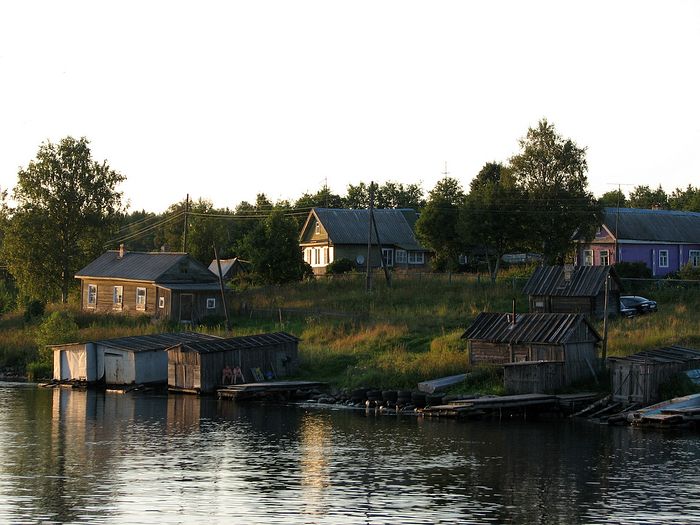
(664, 240)
(637, 378)
(581, 289)
(330, 234)
(163, 285)
(199, 366)
(495, 338)
(121, 361)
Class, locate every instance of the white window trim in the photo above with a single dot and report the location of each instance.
(211, 303)
(388, 257)
(141, 305)
(401, 256)
(663, 258)
(416, 258)
(587, 258)
(317, 229)
(694, 258)
(604, 254)
(161, 301)
(117, 304)
(92, 304)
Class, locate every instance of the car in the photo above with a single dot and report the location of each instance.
(631, 305)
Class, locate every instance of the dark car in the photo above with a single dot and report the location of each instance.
(631, 305)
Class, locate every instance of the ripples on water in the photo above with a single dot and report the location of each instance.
(86, 457)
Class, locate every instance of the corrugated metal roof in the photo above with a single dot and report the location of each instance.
(239, 343)
(201, 287)
(143, 266)
(345, 226)
(666, 354)
(586, 281)
(528, 328)
(142, 343)
(653, 225)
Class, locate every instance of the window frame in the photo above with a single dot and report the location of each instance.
(416, 257)
(211, 301)
(587, 258)
(694, 258)
(388, 257)
(141, 305)
(663, 258)
(604, 256)
(400, 256)
(161, 301)
(117, 293)
(93, 303)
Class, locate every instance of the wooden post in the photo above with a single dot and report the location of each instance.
(381, 255)
(604, 351)
(223, 289)
(369, 236)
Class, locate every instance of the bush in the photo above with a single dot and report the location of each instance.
(633, 270)
(39, 370)
(340, 266)
(678, 385)
(58, 328)
(34, 309)
(689, 272)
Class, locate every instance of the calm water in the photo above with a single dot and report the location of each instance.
(86, 457)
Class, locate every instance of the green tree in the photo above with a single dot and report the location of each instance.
(67, 208)
(644, 197)
(491, 216)
(273, 249)
(613, 199)
(58, 328)
(685, 199)
(437, 224)
(552, 172)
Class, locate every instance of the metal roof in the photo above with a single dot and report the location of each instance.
(347, 226)
(142, 266)
(239, 343)
(201, 287)
(653, 225)
(528, 328)
(142, 343)
(666, 354)
(585, 281)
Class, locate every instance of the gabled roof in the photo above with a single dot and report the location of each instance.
(239, 343)
(143, 343)
(528, 328)
(348, 226)
(653, 225)
(227, 265)
(585, 281)
(141, 266)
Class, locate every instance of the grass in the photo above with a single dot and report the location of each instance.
(391, 337)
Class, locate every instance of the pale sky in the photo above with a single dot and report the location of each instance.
(224, 100)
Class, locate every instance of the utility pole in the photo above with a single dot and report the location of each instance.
(223, 288)
(604, 352)
(369, 236)
(184, 229)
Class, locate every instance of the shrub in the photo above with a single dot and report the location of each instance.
(39, 370)
(678, 385)
(34, 309)
(340, 266)
(689, 272)
(58, 328)
(633, 270)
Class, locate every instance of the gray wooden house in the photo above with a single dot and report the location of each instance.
(330, 234)
(121, 361)
(581, 289)
(637, 378)
(163, 285)
(198, 366)
(496, 338)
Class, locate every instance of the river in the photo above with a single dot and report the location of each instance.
(69, 456)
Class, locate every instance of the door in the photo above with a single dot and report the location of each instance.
(114, 369)
(186, 303)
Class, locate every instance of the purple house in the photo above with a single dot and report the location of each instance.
(664, 240)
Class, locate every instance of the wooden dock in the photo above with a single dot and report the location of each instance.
(248, 391)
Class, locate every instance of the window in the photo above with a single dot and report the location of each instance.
(388, 257)
(92, 296)
(401, 256)
(588, 257)
(140, 298)
(604, 258)
(462, 259)
(117, 297)
(161, 302)
(416, 258)
(663, 258)
(317, 256)
(211, 303)
(325, 255)
(318, 228)
(694, 258)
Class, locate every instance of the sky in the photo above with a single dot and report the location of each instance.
(225, 100)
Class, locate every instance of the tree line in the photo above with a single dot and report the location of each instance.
(67, 210)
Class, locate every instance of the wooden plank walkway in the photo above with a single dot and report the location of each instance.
(256, 390)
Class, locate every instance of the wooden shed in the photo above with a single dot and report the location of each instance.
(198, 366)
(496, 338)
(121, 361)
(637, 378)
(581, 289)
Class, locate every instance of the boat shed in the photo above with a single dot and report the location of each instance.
(198, 367)
(637, 378)
(121, 361)
(581, 289)
(498, 338)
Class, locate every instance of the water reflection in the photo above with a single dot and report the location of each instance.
(72, 456)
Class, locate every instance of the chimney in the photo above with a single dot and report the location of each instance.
(568, 270)
(122, 251)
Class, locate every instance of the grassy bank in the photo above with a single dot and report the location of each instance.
(392, 337)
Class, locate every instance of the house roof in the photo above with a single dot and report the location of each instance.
(653, 225)
(667, 354)
(528, 328)
(239, 343)
(140, 266)
(227, 265)
(585, 281)
(143, 343)
(192, 287)
(348, 226)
